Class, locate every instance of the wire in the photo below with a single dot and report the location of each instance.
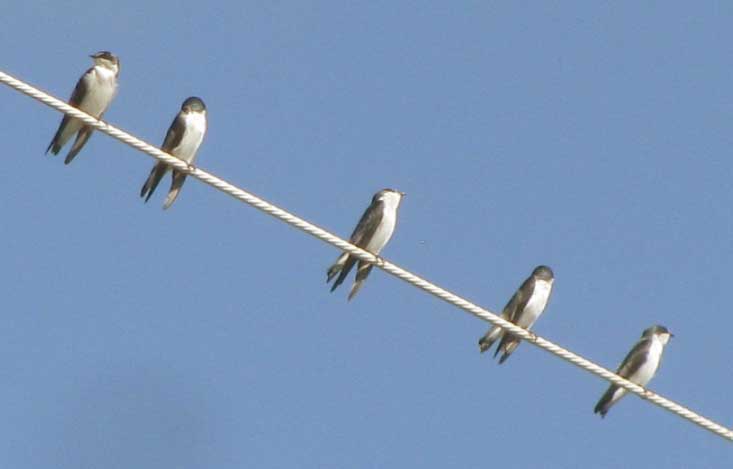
(383, 264)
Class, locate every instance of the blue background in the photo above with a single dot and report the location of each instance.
(592, 138)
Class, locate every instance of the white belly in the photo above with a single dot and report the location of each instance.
(645, 373)
(383, 233)
(192, 137)
(536, 304)
(101, 88)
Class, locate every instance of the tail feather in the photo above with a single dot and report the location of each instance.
(66, 129)
(489, 338)
(494, 333)
(81, 140)
(508, 344)
(609, 398)
(54, 146)
(361, 274)
(156, 174)
(348, 265)
(176, 185)
(336, 267)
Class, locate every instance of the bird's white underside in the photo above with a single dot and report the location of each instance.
(195, 125)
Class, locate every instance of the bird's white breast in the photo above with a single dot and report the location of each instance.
(646, 371)
(101, 84)
(389, 221)
(383, 232)
(536, 303)
(195, 125)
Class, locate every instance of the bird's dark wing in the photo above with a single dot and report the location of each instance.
(156, 174)
(80, 90)
(520, 299)
(516, 305)
(631, 364)
(79, 142)
(363, 232)
(635, 359)
(368, 224)
(174, 135)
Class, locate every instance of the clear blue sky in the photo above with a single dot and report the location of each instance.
(594, 139)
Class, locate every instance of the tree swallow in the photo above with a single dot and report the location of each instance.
(372, 233)
(523, 309)
(182, 141)
(639, 365)
(93, 93)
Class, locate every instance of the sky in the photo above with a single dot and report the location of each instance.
(593, 138)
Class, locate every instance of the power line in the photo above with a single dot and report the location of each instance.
(383, 264)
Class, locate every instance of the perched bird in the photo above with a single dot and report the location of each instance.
(182, 141)
(639, 366)
(523, 309)
(93, 93)
(372, 233)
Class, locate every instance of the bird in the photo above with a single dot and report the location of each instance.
(523, 309)
(639, 366)
(182, 140)
(93, 94)
(374, 230)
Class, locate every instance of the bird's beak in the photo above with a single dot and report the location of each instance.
(402, 194)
